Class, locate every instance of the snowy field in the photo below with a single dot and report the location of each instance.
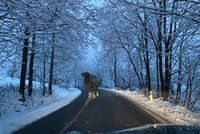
(175, 114)
(34, 108)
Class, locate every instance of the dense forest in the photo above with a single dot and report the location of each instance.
(146, 45)
(152, 46)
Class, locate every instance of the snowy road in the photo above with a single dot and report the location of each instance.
(108, 112)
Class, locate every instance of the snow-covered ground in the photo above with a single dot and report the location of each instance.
(175, 114)
(34, 108)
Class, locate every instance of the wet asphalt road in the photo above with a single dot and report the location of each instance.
(109, 112)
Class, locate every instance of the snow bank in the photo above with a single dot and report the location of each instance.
(34, 108)
(175, 114)
(9, 100)
(18, 120)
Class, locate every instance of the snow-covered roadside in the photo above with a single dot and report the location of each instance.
(9, 96)
(175, 114)
(18, 120)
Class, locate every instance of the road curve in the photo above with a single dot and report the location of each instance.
(109, 112)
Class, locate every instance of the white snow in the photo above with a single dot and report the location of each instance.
(34, 108)
(174, 114)
(9, 100)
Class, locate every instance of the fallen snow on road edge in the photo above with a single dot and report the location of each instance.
(175, 114)
(13, 123)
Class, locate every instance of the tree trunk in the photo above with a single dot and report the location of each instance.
(52, 64)
(167, 73)
(24, 65)
(160, 61)
(188, 91)
(168, 56)
(157, 76)
(168, 59)
(161, 68)
(148, 73)
(115, 70)
(141, 68)
(30, 84)
(190, 80)
(44, 72)
(178, 89)
(129, 76)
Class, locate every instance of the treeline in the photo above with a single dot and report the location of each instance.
(43, 41)
(152, 46)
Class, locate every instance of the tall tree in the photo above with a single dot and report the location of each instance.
(31, 70)
(24, 64)
(51, 72)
